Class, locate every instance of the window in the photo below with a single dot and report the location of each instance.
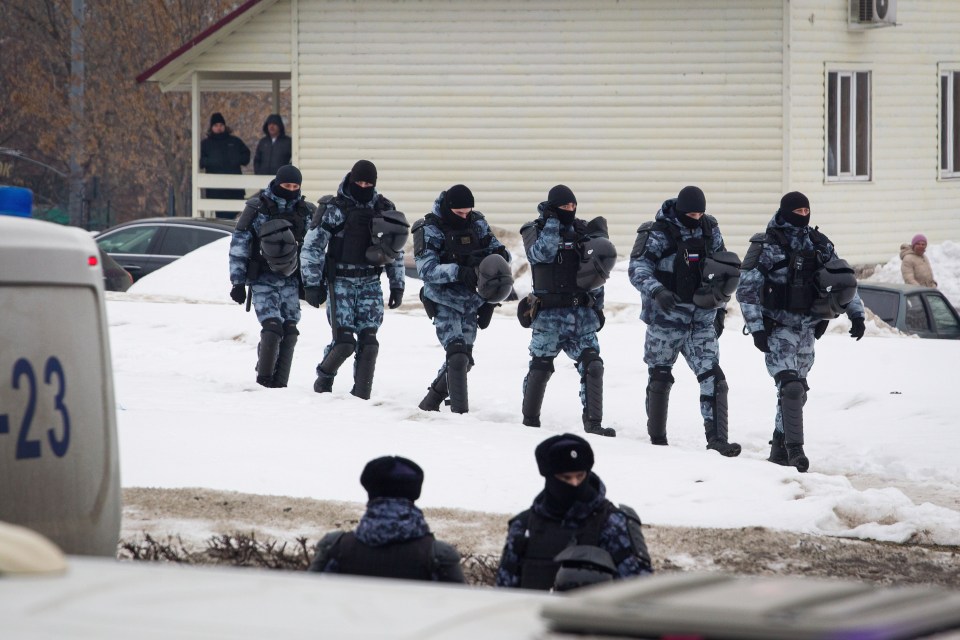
(943, 316)
(885, 304)
(180, 241)
(848, 125)
(950, 124)
(128, 240)
(916, 316)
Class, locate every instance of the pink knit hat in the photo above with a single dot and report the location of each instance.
(918, 238)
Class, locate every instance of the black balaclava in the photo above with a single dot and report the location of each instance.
(690, 200)
(563, 454)
(558, 496)
(559, 196)
(791, 201)
(286, 174)
(362, 171)
(456, 197)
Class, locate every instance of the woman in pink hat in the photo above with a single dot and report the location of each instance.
(916, 267)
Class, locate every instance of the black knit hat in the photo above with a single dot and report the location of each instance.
(289, 174)
(392, 477)
(364, 171)
(563, 454)
(793, 200)
(459, 197)
(691, 200)
(217, 118)
(561, 195)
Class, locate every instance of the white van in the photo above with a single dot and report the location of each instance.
(59, 472)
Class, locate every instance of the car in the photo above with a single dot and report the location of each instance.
(920, 311)
(145, 245)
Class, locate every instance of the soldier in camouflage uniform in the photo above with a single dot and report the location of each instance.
(565, 317)
(571, 510)
(334, 261)
(449, 244)
(780, 310)
(392, 539)
(666, 267)
(264, 253)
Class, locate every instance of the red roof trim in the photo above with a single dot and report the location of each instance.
(209, 31)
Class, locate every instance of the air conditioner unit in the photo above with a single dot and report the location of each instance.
(867, 14)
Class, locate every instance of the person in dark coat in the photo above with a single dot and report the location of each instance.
(571, 510)
(274, 149)
(392, 539)
(224, 153)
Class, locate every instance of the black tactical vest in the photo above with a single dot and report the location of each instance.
(349, 243)
(408, 560)
(297, 217)
(688, 259)
(460, 246)
(799, 292)
(560, 276)
(545, 538)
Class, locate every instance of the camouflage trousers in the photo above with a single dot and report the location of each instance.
(791, 349)
(356, 304)
(697, 342)
(453, 326)
(277, 298)
(571, 330)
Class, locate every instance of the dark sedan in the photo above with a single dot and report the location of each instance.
(921, 311)
(145, 245)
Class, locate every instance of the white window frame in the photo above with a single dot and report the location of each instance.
(948, 130)
(848, 114)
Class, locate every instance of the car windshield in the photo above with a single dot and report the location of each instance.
(130, 240)
(943, 316)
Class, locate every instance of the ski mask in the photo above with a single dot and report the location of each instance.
(456, 197)
(362, 171)
(363, 195)
(559, 196)
(791, 201)
(687, 221)
(690, 200)
(286, 174)
(558, 496)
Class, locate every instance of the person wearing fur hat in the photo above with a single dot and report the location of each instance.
(563, 314)
(786, 309)
(274, 149)
(223, 152)
(449, 244)
(915, 267)
(667, 267)
(571, 510)
(392, 539)
(265, 257)
(335, 262)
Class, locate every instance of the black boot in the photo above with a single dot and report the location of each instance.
(534, 386)
(592, 380)
(459, 361)
(343, 347)
(436, 392)
(268, 351)
(797, 458)
(717, 431)
(285, 358)
(778, 451)
(658, 401)
(594, 427)
(367, 350)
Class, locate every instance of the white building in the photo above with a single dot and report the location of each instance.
(625, 101)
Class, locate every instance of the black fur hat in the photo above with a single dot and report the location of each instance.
(392, 477)
(563, 454)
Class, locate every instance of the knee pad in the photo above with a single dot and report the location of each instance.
(661, 379)
(792, 386)
(459, 356)
(367, 336)
(290, 329)
(541, 364)
(345, 337)
(272, 325)
(592, 363)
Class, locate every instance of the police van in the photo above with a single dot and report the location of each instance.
(59, 471)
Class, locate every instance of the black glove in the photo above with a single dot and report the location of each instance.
(666, 299)
(239, 293)
(856, 331)
(601, 318)
(315, 296)
(468, 276)
(549, 212)
(396, 297)
(760, 341)
(820, 329)
(718, 321)
(484, 314)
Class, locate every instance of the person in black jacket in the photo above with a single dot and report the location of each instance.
(274, 149)
(392, 539)
(222, 152)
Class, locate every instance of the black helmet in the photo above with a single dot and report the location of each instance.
(836, 285)
(597, 257)
(583, 565)
(278, 246)
(494, 278)
(389, 232)
(719, 280)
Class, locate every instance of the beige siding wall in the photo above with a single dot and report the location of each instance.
(625, 101)
(868, 221)
(263, 43)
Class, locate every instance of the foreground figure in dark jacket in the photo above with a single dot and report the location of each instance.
(392, 539)
(571, 510)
